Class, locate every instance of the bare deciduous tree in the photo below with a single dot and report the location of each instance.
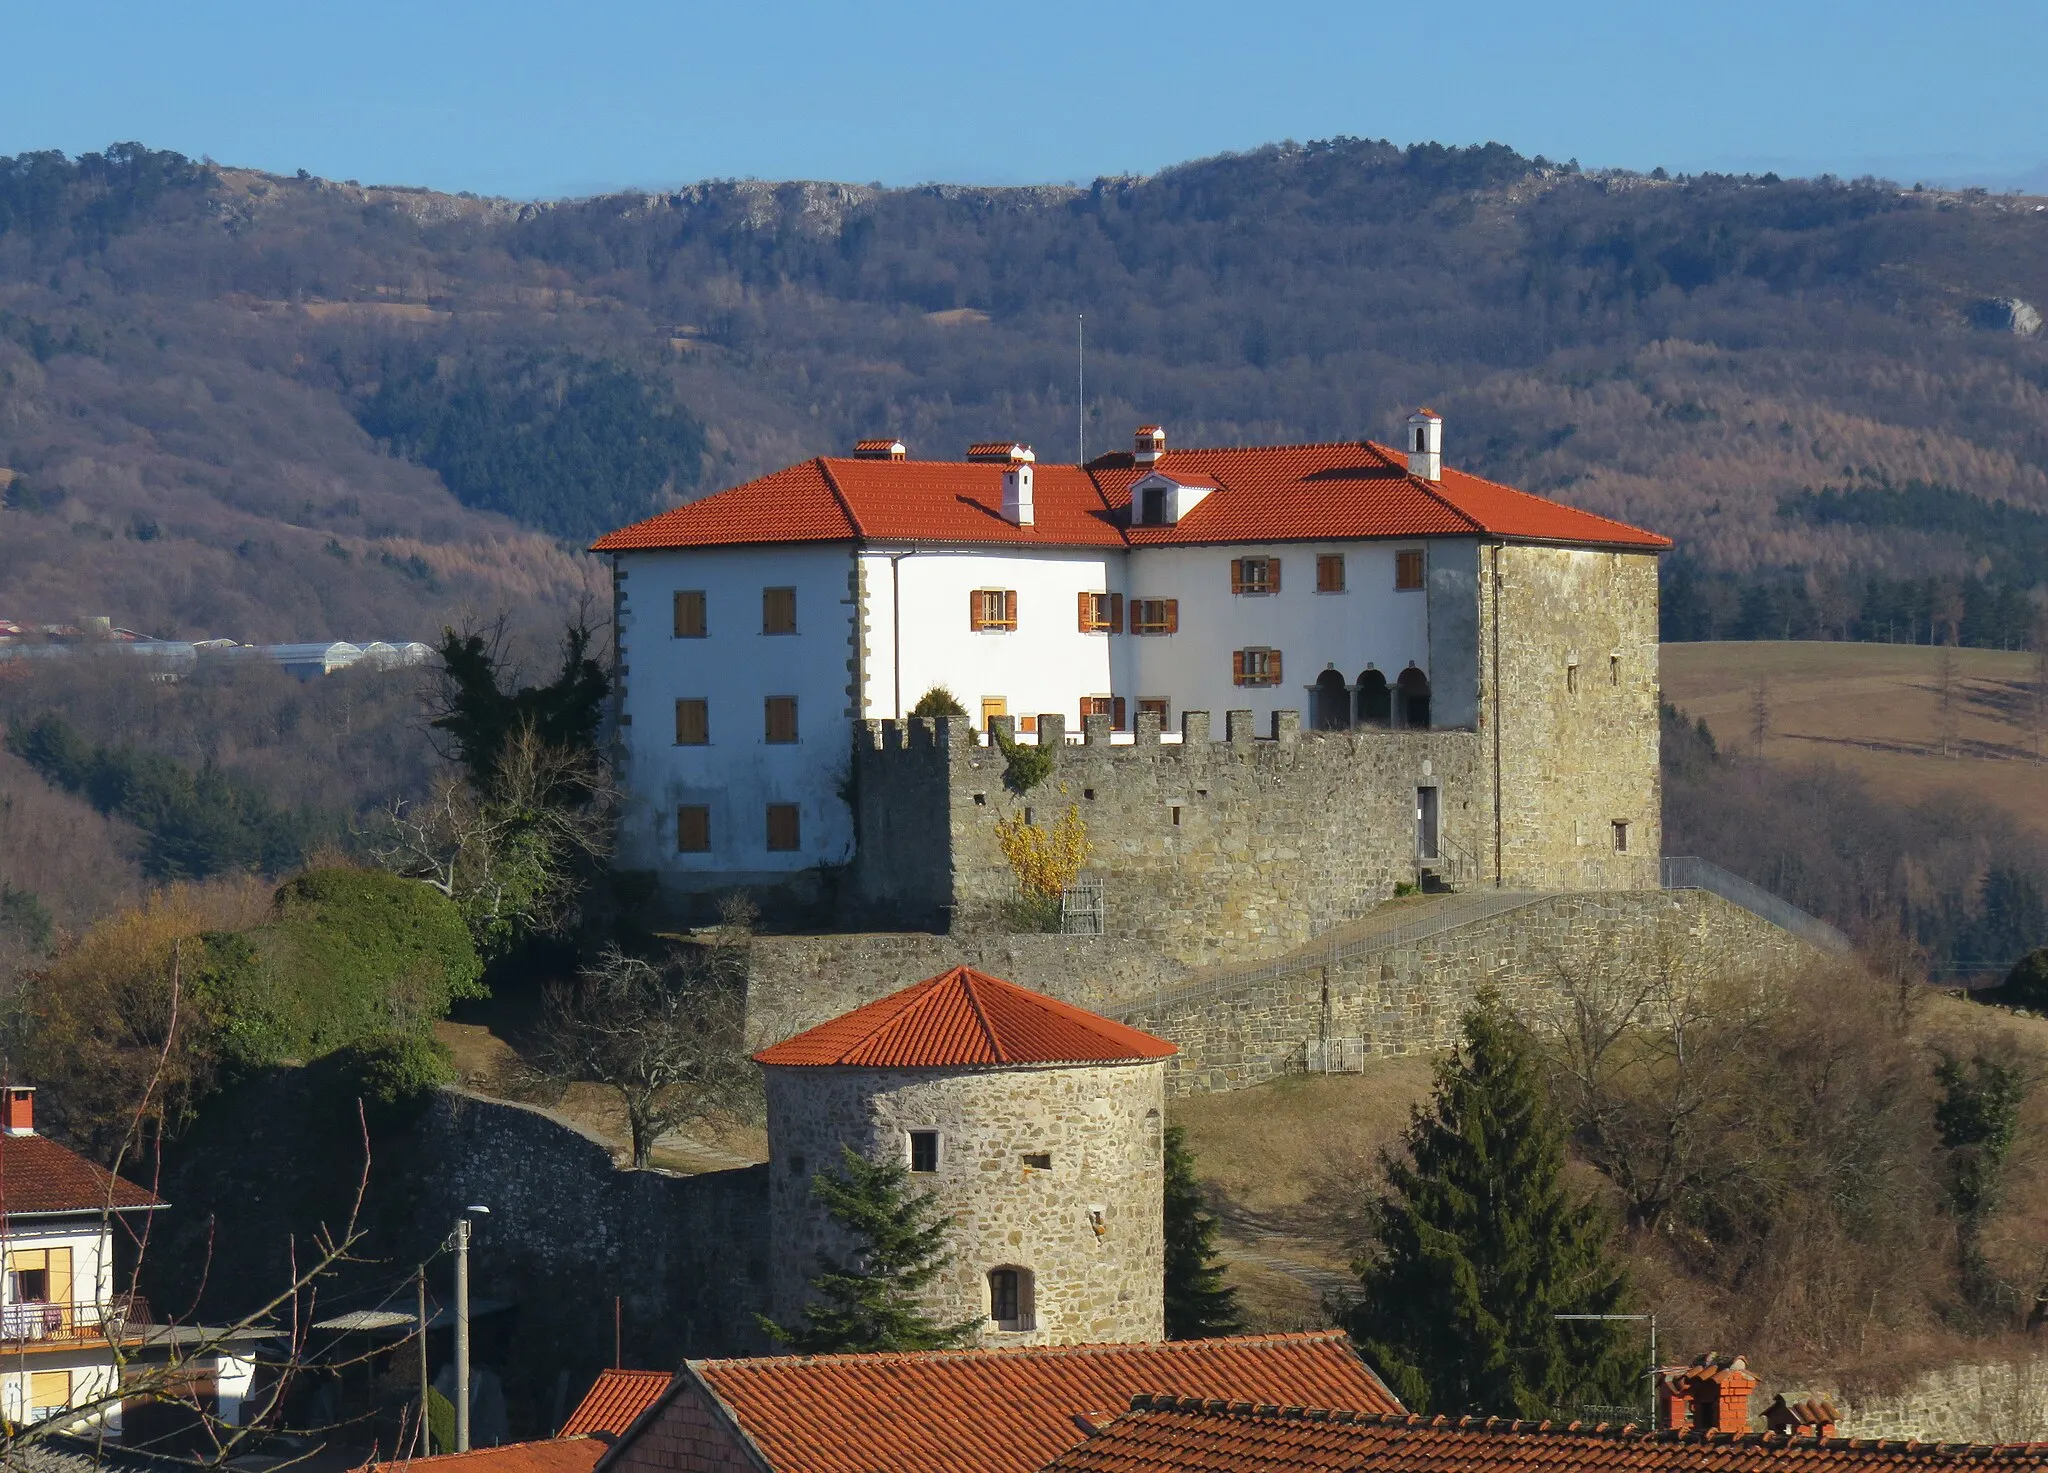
(667, 1035)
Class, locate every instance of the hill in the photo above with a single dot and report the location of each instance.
(233, 403)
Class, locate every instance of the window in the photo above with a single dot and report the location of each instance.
(1408, 568)
(778, 611)
(1152, 507)
(1421, 439)
(1621, 836)
(1330, 572)
(693, 829)
(780, 718)
(1571, 678)
(690, 623)
(1009, 1299)
(924, 1150)
(1102, 613)
(49, 1392)
(1255, 667)
(693, 721)
(785, 829)
(1110, 706)
(993, 706)
(1255, 575)
(1155, 616)
(1155, 706)
(992, 608)
(1038, 1160)
(1614, 669)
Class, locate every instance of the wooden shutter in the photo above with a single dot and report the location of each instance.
(693, 829)
(1116, 614)
(976, 603)
(689, 613)
(1087, 613)
(1272, 575)
(1237, 575)
(780, 718)
(1172, 616)
(1272, 667)
(693, 722)
(784, 829)
(1010, 608)
(1118, 710)
(1237, 667)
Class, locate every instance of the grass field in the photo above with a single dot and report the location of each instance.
(1876, 708)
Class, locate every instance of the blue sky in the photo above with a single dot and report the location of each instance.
(540, 100)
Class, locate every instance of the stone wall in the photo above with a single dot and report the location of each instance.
(2000, 1401)
(1409, 999)
(1087, 1223)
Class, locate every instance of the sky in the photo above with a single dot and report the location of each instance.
(544, 100)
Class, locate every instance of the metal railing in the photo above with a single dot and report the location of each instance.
(58, 1322)
(1081, 908)
(1688, 872)
(1336, 1055)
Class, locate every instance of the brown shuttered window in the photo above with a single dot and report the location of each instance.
(1102, 613)
(1255, 667)
(1155, 615)
(693, 722)
(778, 611)
(693, 829)
(1156, 706)
(1255, 575)
(1330, 572)
(785, 831)
(992, 608)
(690, 623)
(1114, 707)
(781, 718)
(1408, 570)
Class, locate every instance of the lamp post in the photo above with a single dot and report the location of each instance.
(459, 1242)
(1653, 1349)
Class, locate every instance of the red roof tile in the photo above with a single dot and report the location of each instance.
(1003, 1411)
(1184, 1434)
(1268, 493)
(618, 1397)
(38, 1175)
(966, 1017)
(554, 1455)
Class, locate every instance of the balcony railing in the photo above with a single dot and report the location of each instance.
(69, 1322)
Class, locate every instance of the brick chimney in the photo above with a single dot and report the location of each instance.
(1705, 1396)
(1151, 441)
(18, 1109)
(883, 448)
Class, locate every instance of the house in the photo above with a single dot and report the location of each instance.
(994, 1411)
(1375, 588)
(564, 1454)
(615, 1401)
(65, 1325)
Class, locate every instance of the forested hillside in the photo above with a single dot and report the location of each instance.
(232, 403)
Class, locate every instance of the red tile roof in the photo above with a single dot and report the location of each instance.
(1186, 1434)
(554, 1455)
(966, 1017)
(38, 1175)
(1269, 493)
(1003, 1411)
(618, 1397)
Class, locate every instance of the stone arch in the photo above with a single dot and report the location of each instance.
(1375, 701)
(1012, 1298)
(1330, 703)
(1412, 689)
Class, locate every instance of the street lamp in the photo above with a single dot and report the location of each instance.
(1653, 1349)
(458, 1241)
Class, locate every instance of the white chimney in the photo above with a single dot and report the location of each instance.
(1017, 493)
(1426, 445)
(1151, 444)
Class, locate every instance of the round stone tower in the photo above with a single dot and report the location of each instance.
(1039, 1127)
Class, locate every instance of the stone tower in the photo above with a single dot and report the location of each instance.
(1037, 1124)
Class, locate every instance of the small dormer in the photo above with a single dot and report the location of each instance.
(879, 449)
(1425, 444)
(1151, 444)
(1160, 500)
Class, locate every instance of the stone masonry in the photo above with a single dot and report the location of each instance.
(1056, 1170)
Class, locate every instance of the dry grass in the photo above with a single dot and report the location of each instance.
(1874, 708)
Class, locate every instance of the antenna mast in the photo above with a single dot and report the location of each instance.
(1080, 388)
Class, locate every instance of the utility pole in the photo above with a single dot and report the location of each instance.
(459, 1242)
(1653, 1350)
(1081, 388)
(426, 1443)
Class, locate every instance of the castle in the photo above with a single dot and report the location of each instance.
(1477, 665)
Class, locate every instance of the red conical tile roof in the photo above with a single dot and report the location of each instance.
(966, 1017)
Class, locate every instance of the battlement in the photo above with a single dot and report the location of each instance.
(932, 733)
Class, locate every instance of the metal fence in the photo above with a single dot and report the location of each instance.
(1081, 908)
(1687, 872)
(1336, 1055)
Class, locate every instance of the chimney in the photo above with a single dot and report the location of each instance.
(1705, 1396)
(1017, 493)
(879, 449)
(1426, 444)
(1000, 452)
(18, 1110)
(1812, 1418)
(1151, 444)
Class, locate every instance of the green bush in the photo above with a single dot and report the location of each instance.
(392, 1073)
(1024, 768)
(348, 956)
(938, 701)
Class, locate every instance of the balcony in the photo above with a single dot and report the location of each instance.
(54, 1324)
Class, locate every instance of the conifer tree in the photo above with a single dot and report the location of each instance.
(1481, 1245)
(871, 1303)
(1198, 1302)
